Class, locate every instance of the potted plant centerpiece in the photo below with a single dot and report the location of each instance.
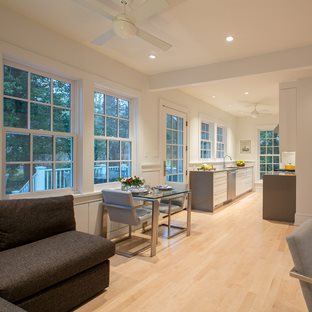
(131, 182)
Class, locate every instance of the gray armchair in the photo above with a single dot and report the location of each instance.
(174, 204)
(299, 243)
(121, 208)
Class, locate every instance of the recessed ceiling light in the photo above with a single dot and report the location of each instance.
(229, 38)
(152, 56)
(213, 96)
(246, 93)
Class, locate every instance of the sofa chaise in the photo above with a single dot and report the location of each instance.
(45, 264)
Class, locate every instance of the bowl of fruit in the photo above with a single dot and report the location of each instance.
(240, 163)
(206, 167)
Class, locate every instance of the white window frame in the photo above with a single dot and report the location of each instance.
(32, 132)
(131, 138)
(224, 140)
(210, 139)
(259, 152)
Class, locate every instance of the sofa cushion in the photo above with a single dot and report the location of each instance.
(64, 296)
(24, 221)
(27, 269)
(6, 306)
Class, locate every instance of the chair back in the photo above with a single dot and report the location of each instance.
(120, 206)
(299, 243)
(180, 200)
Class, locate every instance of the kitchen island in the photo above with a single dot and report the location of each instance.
(211, 189)
(279, 196)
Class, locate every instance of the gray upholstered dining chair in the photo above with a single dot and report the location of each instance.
(172, 205)
(121, 208)
(300, 246)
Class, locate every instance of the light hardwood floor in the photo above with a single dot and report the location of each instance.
(233, 261)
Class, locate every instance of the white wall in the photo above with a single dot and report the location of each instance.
(152, 161)
(247, 129)
(194, 108)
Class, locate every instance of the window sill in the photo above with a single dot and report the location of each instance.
(49, 193)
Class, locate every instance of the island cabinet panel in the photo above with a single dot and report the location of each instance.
(209, 189)
(219, 188)
(279, 197)
(201, 184)
(244, 181)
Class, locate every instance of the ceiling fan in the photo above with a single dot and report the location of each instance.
(123, 23)
(254, 113)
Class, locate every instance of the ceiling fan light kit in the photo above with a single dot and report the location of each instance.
(254, 113)
(124, 27)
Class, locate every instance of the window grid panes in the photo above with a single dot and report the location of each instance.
(112, 144)
(220, 143)
(37, 125)
(174, 148)
(205, 142)
(269, 152)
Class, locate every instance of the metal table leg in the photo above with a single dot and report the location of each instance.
(169, 218)
(105, 222)
(154, 227)
(189, 210)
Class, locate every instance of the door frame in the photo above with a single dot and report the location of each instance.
(164, 107)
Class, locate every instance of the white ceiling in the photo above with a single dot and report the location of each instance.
(263, 90)
(196, 29)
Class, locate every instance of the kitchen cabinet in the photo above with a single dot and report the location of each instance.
(209, 189)
(244, 180)
(288, 116)
(219, 188)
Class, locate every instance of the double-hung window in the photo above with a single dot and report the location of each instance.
(220, 144)
(205, 140)
(112, 138)
(38, 131)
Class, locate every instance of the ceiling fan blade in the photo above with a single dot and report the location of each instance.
(142, 10)
(115, 5)
(96, 7)
(104, 38)
(165, 46)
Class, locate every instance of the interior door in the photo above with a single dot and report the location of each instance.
(174, 145)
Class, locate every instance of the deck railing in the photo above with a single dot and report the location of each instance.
(43, 177)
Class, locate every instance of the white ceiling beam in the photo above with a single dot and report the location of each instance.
(277, 61)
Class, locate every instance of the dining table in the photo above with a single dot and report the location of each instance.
(154, 196)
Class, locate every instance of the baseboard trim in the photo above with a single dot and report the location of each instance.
(258, 186)
(300, 218)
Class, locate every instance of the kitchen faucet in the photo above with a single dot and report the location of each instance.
(224, 160)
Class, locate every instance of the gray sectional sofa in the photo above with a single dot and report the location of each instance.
(45, 264)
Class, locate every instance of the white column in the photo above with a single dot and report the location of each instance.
(85, 124)
(304, 150)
